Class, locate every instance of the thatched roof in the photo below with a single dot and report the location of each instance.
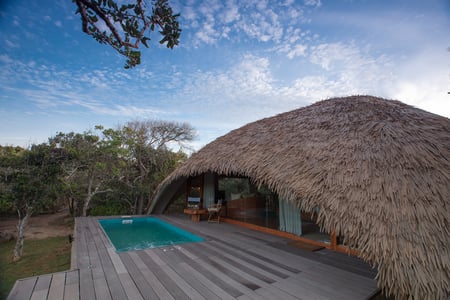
(378, 169)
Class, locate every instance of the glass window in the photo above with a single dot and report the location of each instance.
(248, 203)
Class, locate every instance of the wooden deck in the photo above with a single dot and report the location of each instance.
(233, 263)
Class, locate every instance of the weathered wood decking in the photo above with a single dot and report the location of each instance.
(233, 263)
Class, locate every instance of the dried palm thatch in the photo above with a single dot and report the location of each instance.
(378, 169)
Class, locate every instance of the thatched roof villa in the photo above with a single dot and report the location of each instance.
(374, 175)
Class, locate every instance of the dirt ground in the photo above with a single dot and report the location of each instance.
(41, 226)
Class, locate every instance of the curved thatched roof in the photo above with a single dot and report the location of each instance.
(379, 170)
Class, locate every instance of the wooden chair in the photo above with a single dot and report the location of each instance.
(214, 212)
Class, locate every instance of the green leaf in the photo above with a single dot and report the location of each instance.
(144, 41)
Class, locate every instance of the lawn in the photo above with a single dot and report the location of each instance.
(40, 257)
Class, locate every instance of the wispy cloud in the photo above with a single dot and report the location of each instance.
(50, 90)
(263, 22)
(238, 61)
(316, 3)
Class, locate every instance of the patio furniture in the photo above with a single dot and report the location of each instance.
(195, 213)
(214, 212)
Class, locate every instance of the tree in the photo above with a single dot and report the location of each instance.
(31, 181)
(147, 156)
(122, 165)
(125, 27)
(88, 167)
(9, 166)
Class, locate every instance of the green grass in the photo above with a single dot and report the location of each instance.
(40, 257)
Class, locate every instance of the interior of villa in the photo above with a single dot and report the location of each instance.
(245, 202)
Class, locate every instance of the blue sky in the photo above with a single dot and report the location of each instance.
(238, 61)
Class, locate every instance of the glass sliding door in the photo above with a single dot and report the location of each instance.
(248, 203)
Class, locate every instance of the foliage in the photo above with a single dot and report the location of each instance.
(104, 172)
(115, 171)
(145, 157)
(109, 209)
(124, 27)
(30, 183)
(88, 165)
(34, 184)
(6, 204)
(101, 172)
(43, 257)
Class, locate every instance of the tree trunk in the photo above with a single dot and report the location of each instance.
(86, 203)
(18, 248)
(88, 198)
(140, 205)
(71, 205)
(91, 194)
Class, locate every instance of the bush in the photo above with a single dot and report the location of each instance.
(6, 208)
(111, 209)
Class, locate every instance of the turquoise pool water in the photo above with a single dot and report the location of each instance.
(141, 233)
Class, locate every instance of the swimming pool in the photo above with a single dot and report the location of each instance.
(128, 234)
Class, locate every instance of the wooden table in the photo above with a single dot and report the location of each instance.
(195, 213)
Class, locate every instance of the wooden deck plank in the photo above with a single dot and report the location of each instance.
(198, 264)
(127, 283)
(112, 278)
(95, 263)
(167, 282)
(101, 234)
(41, 288)
(260, 252)
(180, 282)
(101, 289)
(222, 294)
(144, 288)
(339, 282)
(22, 289)
(71, 291)
(232, 263)
(173, 259)
(86, 285)
(329, 257)
(130, 287)
(294, 263)
(116, 261)
(292, 257)
(86, 282)
(82, 248)
(105, 271)
(209, 257)
(265, 289)
(254, 261)
(301, 290)
(56, 290)
(338, 276)
(228, 275)
(236, 263)
(72, 277)
(190, 291)
(43, 282)
(39, 295)
(256, 273)
(151, 279)
(105, 284)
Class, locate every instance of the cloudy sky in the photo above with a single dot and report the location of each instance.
(238, 61)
